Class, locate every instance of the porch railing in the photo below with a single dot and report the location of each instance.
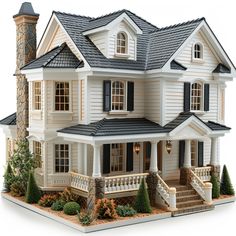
(204, 173)
(79, 181)
(123, 183)
(167, 193)
(203, 189)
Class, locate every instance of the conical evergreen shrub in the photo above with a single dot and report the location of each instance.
(8, 178)
(32, 194)
(215, 187)
(226, 187)
(142, 202)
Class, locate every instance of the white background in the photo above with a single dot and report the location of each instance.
(221, 17)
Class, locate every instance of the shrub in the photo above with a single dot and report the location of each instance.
(22, 163)
(85, 218)
(58, 205)
(8, 178)
(17, 189)
(32, 194)
(71, 208)
(215, 187)
(105, 209)
(126, 210)
(68, 196)
(142, 202)
(226, 187)
(48, 199)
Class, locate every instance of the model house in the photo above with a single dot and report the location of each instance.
(108, 101)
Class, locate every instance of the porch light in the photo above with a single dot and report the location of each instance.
(137, 148)
(168, 146)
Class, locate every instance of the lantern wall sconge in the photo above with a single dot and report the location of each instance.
(137, 148)
(168, 146)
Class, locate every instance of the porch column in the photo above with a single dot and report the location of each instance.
(153, 160)
(80, 158)
(214, 161)
(187, 154)
(96, 161)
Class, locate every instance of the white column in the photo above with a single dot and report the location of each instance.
(214, 160)
(45, 164)
(80, 147)
(153, 160)
(187, 154)
(96, 161)
(85, 155)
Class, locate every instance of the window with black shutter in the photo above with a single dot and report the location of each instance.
(106, 95)
(130, 96)
(181, 153)
(206, 97)
(200, 154)
(187, 96)
(106, 158)
(129, 157)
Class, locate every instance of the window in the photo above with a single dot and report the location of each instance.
(37, 150)
(196, 97)
(121, 44)
(37, 95)
(198, 51)
(193, 152)
(62, 96)
(62, 158)
(117, 157)
(118, 96)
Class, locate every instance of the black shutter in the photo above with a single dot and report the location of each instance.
(181, 153)
(106, 95)
(206, 97)
(129, 157)
(106, 158)
(148, 150)
(200, 153)
(130, 96)
(187, 96)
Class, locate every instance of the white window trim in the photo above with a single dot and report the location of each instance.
(201, 111)
(122, 55)
(198, 60)
(36, 111)
(124, 111)
(33, 147)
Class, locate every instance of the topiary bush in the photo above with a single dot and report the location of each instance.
(142, 202)
(105, 209)
(8, 178)
(85, 218)
(58, 205)
(226, 187)
(33, 194)
(68, 196)
(215, 187)
(125, 210)
(17, 189)
(71, 208)
(48, 199)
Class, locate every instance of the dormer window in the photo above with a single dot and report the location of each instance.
(122, 43)
(197, 52)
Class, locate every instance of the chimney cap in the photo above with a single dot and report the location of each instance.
(26, 9)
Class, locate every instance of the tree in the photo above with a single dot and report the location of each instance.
(142, 202)
(226, 187)
(215, 187)
(32, 194)
(8, 178)
(22, 163)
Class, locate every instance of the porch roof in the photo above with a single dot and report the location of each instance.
(112, 127)
(9, 120)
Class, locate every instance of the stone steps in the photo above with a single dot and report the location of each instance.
(188, 198)
(185, 192)
(190, 203)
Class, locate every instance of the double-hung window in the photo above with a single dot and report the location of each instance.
(62, 158)
(62, 96)
(37, 95)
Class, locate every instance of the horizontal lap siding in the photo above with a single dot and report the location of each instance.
(96, 101)
(152, 100)
(100, 41)
(207, 151)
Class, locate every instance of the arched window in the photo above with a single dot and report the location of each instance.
(121, 43)
(196, 96)
(198, 51)
(118, 96)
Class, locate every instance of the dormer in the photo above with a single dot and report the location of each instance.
(116, 37)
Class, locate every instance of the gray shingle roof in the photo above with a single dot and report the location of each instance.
(183, 116)
(174, 65)
(221, 69)
(154, 46)
(58, 57)
(110, 127)
(9, 120)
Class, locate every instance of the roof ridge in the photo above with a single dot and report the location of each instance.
(177, 25)
(99, 124)
(109, 14)
(71, 14)
(60, 48)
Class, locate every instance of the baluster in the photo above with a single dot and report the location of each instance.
(134, 181)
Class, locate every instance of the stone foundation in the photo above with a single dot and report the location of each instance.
(99, 188)
(215, 170)
(151, 181)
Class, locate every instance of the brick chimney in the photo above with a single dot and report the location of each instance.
(26, 42)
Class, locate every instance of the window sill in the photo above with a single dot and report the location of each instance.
(199, 112)
(198, 60)
(118, 112)
(121, 55)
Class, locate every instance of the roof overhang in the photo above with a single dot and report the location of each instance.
(9, 130)
(123, 17)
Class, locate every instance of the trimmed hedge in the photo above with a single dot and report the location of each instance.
(226, 188)
(32, 194)
(71, 208)
(58, 205)
(215, 187)
(125, 210)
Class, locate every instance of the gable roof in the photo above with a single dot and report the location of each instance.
(174, 65)
(58, 57)
(9, 120)
(221, 68)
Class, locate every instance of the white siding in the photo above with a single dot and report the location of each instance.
(152, 100)
(58, 38)
(100, 41)
(95, 90)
